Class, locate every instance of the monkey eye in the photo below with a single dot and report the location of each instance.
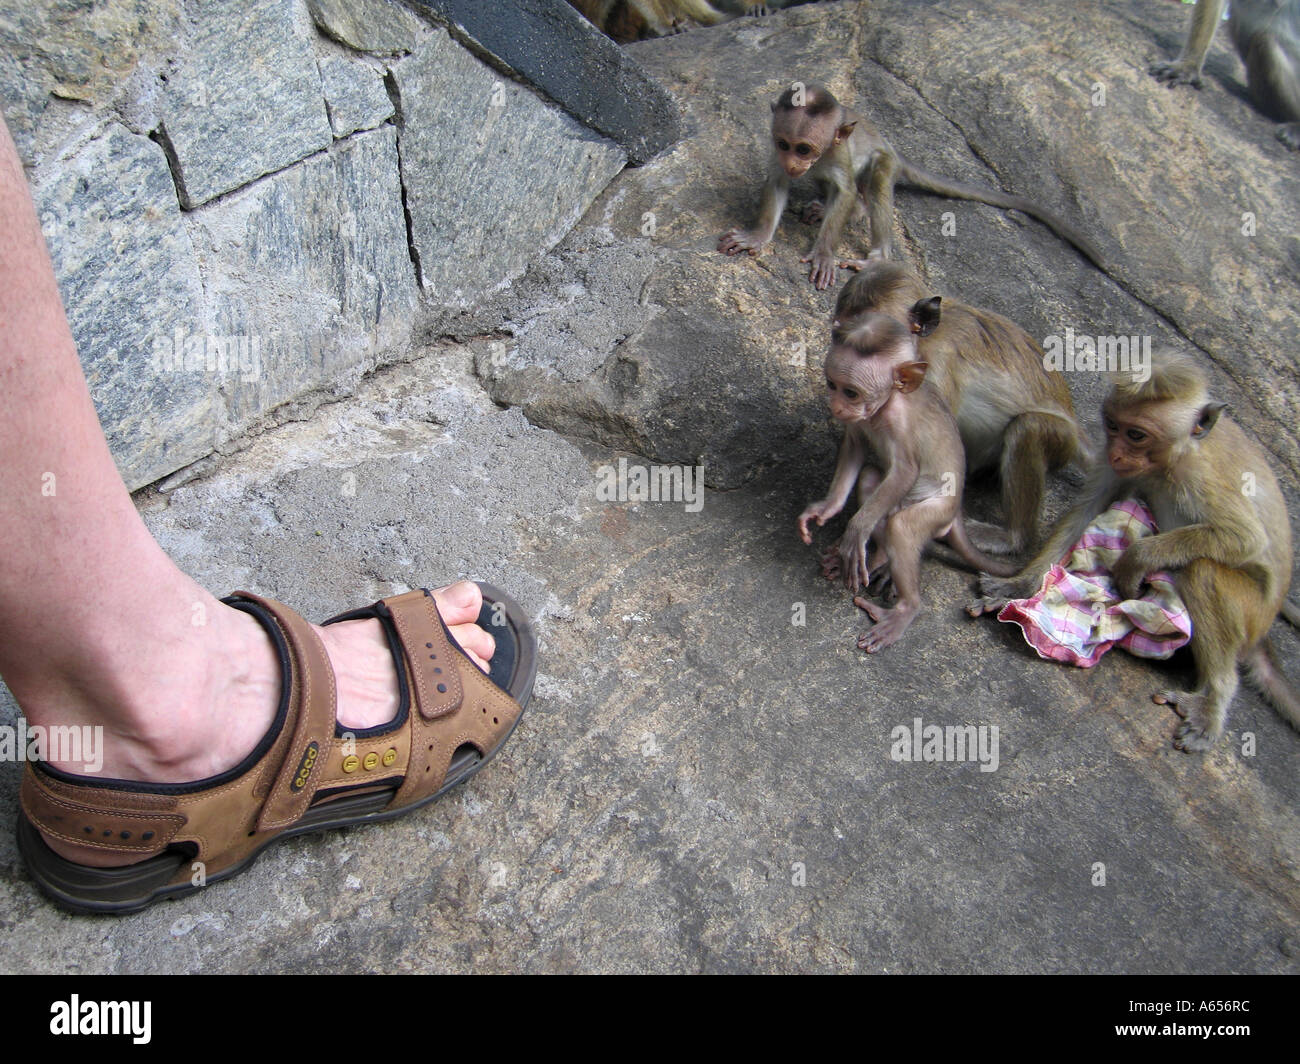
(850, 395)
(803, 150)
(783, 145)
(1136, 435)
(1111, 426)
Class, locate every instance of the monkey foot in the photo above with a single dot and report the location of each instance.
(889, 627)
(813, 213)
(1289, 134)
(1176, 73)
(995, 592)
(1200, 728)
(989, 604)
(856, 265)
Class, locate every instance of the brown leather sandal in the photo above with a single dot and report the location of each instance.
(117, 846)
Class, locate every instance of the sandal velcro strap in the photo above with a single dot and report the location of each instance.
(302, 754)
(434, 672)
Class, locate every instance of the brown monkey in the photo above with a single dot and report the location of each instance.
(1013, 415)
(874, 388)
(635, 20)
(1267, 36)
(1224, 534)
(814, 135)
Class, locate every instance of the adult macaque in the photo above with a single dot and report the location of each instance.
(1223, 533)
(1267, 36)
(1013, 415)
(874, 389)
(814, 135)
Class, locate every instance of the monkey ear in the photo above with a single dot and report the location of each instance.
(924, 315)
(909, 376)
(1207, 418)
(845, 131)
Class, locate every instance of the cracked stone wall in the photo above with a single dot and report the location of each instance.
(250, 201)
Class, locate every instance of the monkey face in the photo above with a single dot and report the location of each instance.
(856, 387)
(800, 139)
(797, 157)
(847, 403)
(1136, 442)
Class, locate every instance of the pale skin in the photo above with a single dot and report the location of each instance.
(96, 622)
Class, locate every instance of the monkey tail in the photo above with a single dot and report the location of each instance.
(923, 179)
(977, 560)
(1291, 612)
(1267, 678)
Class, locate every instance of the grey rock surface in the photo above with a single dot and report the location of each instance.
(703, 783)
(720, 358)
(554, 48)
(518, 178)
(309, 270)
(381, 27)
(130, 284)
(355, 96)
(243, 100)
(72, 51)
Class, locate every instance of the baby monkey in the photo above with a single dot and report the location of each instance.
(814, 135)
(874, 389)
(1224, 534)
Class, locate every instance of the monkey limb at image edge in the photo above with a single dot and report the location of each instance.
(1169, 445)
(1266, 34)
(635, 20)
(853, 164)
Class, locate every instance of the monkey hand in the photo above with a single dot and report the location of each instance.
(738, 240)
(1178, 72)
(853, 554)
(821, 512)
(1131, 570)
(823, 268)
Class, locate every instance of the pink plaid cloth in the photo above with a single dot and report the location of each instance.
(1077, 614)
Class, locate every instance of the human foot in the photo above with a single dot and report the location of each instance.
(221, 696)
(116, 846)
